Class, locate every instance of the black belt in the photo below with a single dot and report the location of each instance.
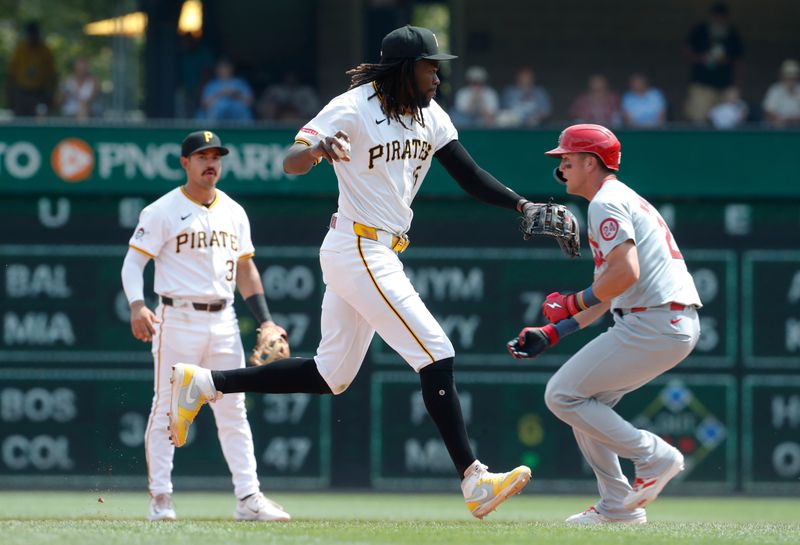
(208, 307)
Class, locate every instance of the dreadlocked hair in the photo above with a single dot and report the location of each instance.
(396, 89)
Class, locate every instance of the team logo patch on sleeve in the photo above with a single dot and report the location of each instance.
(140, 232)
(312, 132)
(609, 229)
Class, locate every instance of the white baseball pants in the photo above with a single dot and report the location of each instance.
(367, 291)
(211, 340)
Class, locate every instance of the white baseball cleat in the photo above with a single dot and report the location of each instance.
(647, 489)
(192, 387)
(592, 517)
(485, 491)
(259, 507)
(161, 508)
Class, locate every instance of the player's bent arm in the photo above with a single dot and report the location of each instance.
(142, 318)
(587, 317)
(302, 155)
(300, 158)
(621, 273)
(248, 282)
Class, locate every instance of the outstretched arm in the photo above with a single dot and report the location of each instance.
(476, 181)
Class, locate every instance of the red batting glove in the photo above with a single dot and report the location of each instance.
(558, 306)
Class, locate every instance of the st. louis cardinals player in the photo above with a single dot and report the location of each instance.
(641, 276)
(200, 241)
(380, 136)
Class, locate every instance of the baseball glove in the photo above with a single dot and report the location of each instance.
(553, 220)
(271, 344)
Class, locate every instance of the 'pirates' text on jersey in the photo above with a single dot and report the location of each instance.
(387, 160)
(195, 248)
(616, 214)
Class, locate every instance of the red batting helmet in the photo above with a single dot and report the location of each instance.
(587, 138)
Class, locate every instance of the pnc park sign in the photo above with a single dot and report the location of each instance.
(121, 160)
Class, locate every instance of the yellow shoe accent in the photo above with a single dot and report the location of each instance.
(485, 491)
(186, 402)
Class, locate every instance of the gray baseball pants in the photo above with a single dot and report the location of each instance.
(639, 347)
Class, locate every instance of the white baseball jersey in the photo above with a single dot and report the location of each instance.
(616, 214)
(387, 160)
(196, 247)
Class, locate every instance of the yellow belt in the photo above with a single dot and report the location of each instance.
(399, 244)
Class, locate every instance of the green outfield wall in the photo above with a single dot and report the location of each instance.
(75, 387)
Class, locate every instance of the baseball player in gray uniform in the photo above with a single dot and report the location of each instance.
(199, 239)
(641, 276)
(381, 137)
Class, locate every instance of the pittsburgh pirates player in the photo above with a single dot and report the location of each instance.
(200, 241)
(394, 128)
(641, 276)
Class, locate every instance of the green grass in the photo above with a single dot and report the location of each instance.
(66, 518)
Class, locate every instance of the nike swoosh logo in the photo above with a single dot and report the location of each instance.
(482, 496)
(189, 397)
(675, 321)
(553, 305)
(186, 216)
(379, 122)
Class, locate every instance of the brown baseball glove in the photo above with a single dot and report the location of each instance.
(272, 344)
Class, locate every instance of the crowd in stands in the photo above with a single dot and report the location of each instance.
(211, 89)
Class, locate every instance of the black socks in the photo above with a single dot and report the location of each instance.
(441, 400)
(289, 376)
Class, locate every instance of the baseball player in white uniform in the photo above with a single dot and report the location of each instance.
(381, 136)
(200, 241)
(641, 276)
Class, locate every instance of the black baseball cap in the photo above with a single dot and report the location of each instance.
(202, 140)
(412, 42)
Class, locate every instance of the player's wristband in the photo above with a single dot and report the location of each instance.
(566, 327)
(586, 298)
(257, 304)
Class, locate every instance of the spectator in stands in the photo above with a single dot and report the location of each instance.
(782, 101)
(288, 101)
(731, 112)
(598, 104)
(716, 50)
(32, 78)
(196, 70)
(78, 94)
(525, 103)
(643, 106)
(476, 104)
(226, 98)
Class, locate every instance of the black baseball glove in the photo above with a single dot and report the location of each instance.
(531, 342)
(553, 220)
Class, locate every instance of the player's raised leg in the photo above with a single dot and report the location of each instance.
(391, 305)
